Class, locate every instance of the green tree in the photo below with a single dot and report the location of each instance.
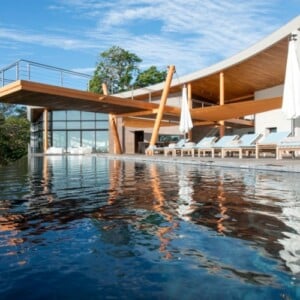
(149, 77)
(14, 138)
(117, 68)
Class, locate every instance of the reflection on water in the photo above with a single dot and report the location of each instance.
(145, 230)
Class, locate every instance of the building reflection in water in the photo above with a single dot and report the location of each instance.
(159, 202)
(156, 198)
(185, 194)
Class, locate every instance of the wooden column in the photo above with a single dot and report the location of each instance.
(162, 104)
(115, 134)
(113, 126)
(46, 129)
(190, 105)
(222, 101)
(104, 89)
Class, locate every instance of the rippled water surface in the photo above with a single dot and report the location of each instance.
(94, 228)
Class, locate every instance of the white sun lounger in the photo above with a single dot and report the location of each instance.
(216, 147)
(204, 143)
(171, 149)
(244, 145)
(289, 146)
(268, 145)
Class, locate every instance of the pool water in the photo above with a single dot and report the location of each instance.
(74, 227)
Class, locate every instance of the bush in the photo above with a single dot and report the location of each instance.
(14, 138)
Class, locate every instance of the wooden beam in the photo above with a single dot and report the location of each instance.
(104, 89)
(245, 122)
(162, 104)
(204, 123)
(46, 130)
(145, 123)
(114, 131)
(243, 98)
(222, 102)
(236, 110)
(137, 114)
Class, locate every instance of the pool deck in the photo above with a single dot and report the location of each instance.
(264, 164)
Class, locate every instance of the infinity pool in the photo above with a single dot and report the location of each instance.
(75, 227)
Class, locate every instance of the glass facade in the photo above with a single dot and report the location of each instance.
(72, 129)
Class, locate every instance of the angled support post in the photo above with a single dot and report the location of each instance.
(222, 101)
(113, 126)
(163, 100)
(46, 129)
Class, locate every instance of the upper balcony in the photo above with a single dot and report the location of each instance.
(41, 73)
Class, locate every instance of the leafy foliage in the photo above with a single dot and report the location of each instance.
(150, 76)
(119, 69)
(14, 138)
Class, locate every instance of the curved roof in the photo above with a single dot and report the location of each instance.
(258, 67)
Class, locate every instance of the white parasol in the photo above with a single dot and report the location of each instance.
(291, 92)
(185, 123)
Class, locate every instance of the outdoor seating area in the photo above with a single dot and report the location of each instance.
(289, 148)
(216, 149)
(173, 148)
(268, 146)
(245, 146)
(273, 145)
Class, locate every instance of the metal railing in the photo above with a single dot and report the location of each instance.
(41, 73)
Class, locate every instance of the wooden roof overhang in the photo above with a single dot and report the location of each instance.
(244, 74)
(55, 98)
(61, 98)
(241, 80)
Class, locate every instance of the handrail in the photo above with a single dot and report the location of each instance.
(37, 72)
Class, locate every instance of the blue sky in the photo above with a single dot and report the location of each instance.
(189, 34)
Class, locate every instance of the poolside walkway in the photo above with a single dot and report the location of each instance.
(265, 164)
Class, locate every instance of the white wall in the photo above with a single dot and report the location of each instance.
(274, 118)
(172, 100)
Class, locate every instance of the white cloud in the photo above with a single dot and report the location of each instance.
(44, 39)
(190, 34)
(195, 31)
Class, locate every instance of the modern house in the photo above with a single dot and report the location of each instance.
(242, 94)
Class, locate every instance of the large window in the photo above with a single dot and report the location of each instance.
(88, 139)
(59, 139)
(69, 129)
(73, 139)
(102, 141)
(73, 115)
(59, 115)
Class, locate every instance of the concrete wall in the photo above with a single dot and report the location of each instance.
(274, 118)
(127, 135)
